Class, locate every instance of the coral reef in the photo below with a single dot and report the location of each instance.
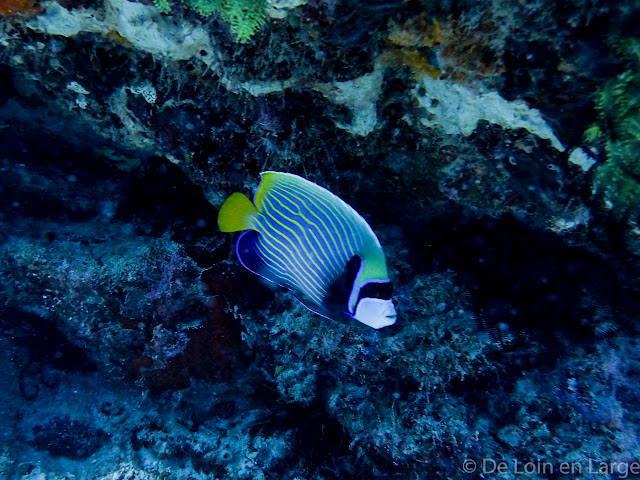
(68, 438)
(138, 304)
(385, 391)
(82, 287)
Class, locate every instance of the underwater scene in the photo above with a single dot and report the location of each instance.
(319, 239)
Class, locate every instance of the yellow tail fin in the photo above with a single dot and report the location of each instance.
(235, 213)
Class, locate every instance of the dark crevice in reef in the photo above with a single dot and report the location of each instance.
(522, 278)
(156, 195)
(161, 195)
(6, 84)
(43, 344)
(320, 439)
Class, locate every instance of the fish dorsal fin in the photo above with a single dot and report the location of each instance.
(236, 213)
(271, 179)
(267, 180)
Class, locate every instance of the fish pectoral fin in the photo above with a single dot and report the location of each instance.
(339, 291)
(236, 213)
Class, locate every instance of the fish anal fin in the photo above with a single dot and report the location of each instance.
(249, 254)
(251, 257)
(236, 213)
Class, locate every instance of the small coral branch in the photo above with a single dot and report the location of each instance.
(244, 17)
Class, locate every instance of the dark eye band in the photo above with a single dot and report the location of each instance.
(382, 290)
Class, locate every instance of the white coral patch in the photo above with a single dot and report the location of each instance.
(57, 20)
(81, 102)
(147, 91)
(141, 25)
(279, 8)
(458, 109)
(77, 88)
(360, 96)
(582, 159)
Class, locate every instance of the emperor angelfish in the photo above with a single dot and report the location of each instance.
(303, 237)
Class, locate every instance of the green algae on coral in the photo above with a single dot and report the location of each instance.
(244, 17)
(617, 129)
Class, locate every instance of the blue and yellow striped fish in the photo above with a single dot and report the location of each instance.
(303, 237)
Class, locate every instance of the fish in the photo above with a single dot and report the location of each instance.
(300, 236)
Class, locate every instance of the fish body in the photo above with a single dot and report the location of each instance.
(303, 237)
